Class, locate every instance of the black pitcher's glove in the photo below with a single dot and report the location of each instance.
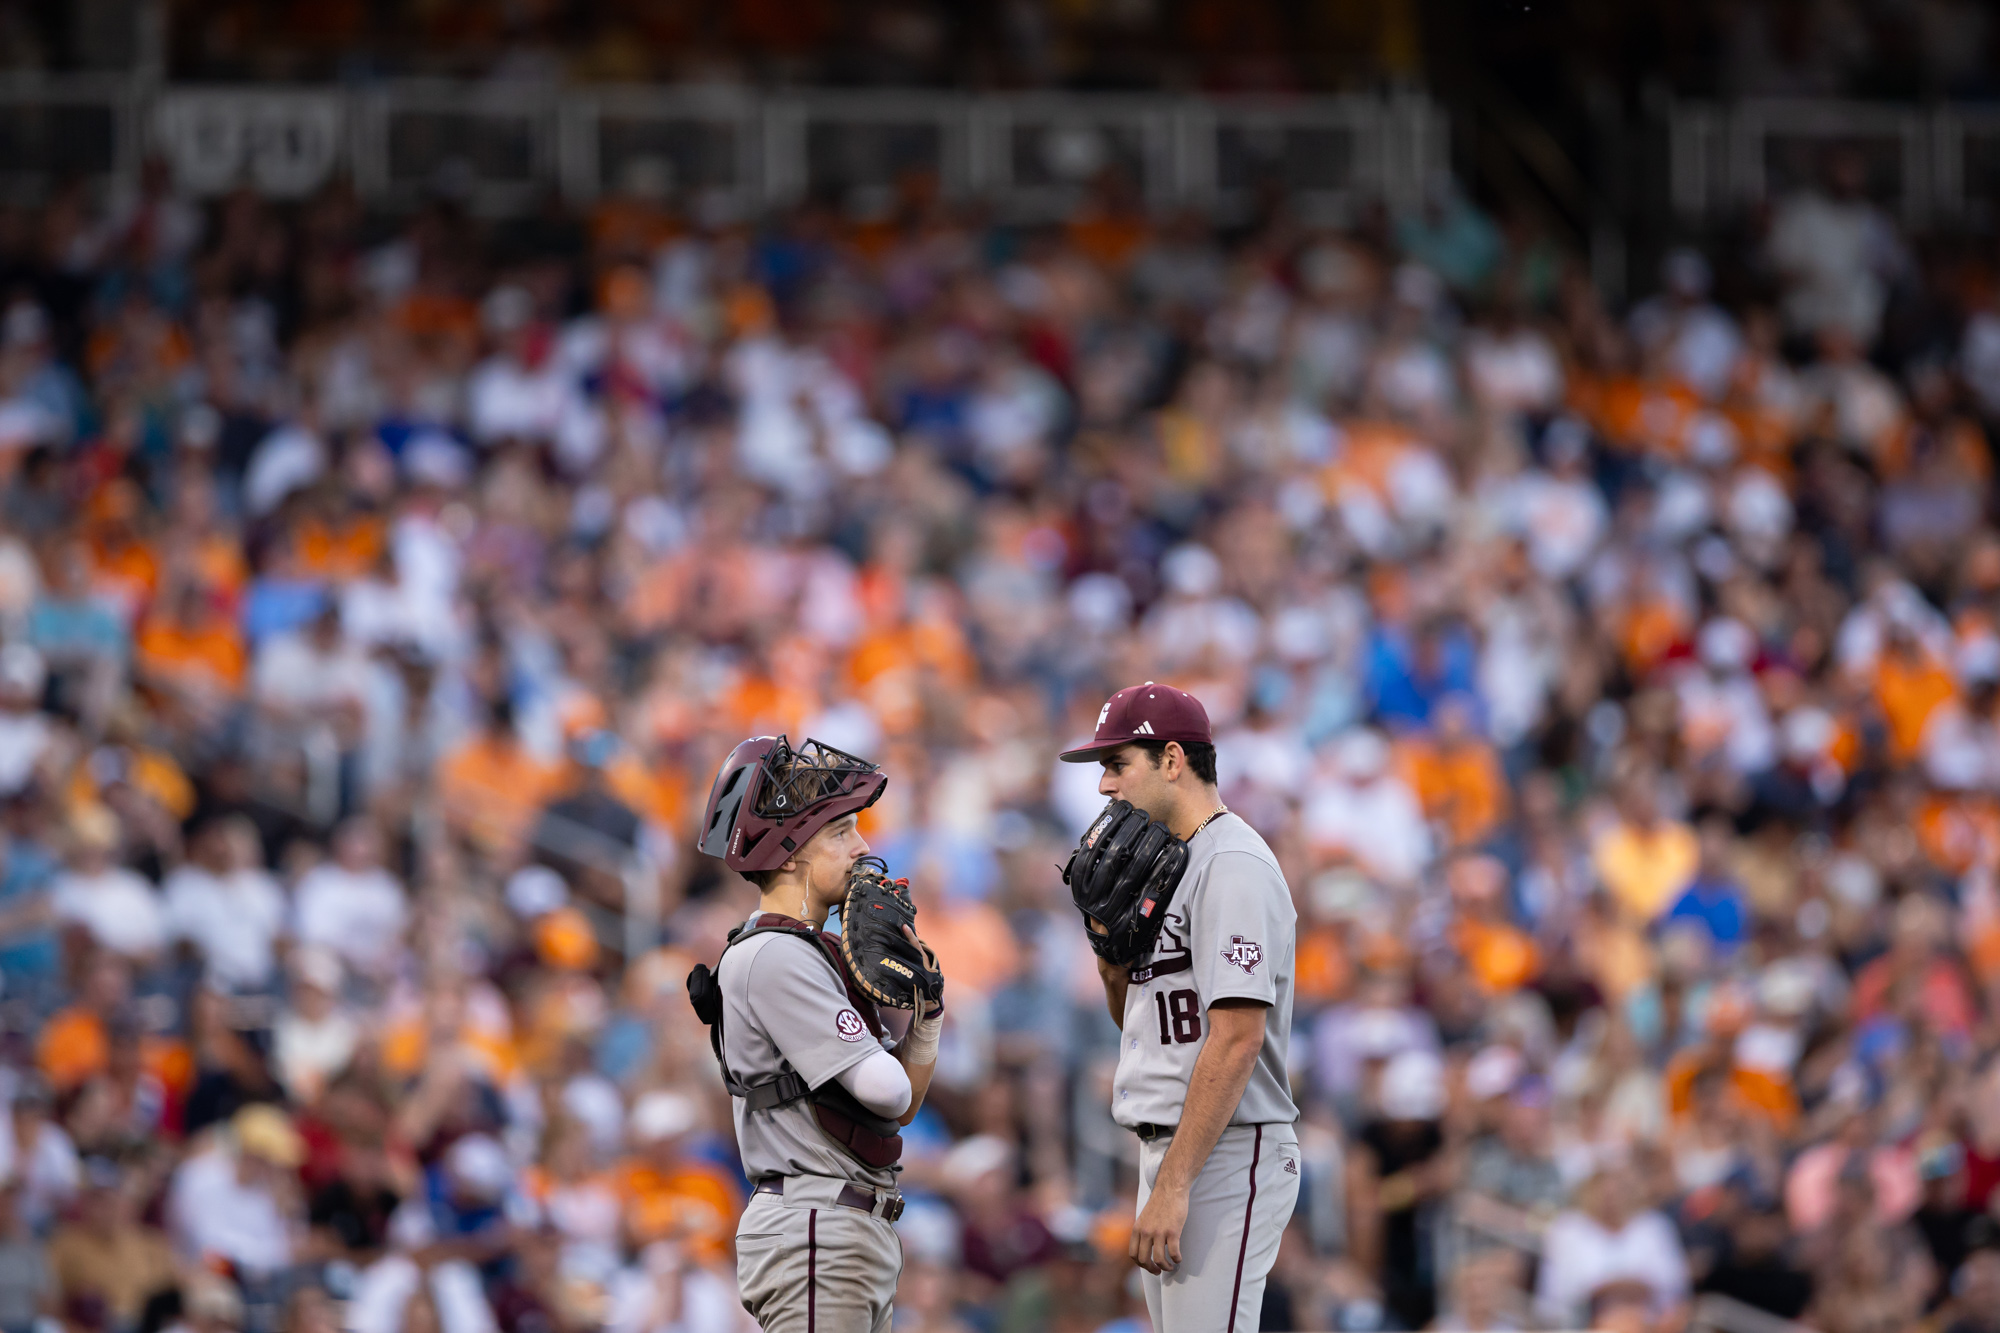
(878, 938)
(1122, 876)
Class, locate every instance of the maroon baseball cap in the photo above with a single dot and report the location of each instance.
(1146, 712)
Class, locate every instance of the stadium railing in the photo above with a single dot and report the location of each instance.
(1935, 165)
(502, 147)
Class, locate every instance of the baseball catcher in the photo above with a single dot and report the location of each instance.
(795, 1017)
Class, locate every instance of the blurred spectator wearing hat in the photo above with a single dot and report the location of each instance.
(238, 1202)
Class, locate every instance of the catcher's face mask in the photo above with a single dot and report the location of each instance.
(768, 799)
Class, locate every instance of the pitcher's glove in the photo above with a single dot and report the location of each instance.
(878, 938)
(1122, 876)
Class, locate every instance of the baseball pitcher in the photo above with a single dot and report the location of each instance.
(795, 1017)
(1194, 929)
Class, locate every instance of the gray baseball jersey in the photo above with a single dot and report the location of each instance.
(1230, 935)
(782, 1006)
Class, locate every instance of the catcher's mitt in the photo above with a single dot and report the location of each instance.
(887, 966)
(1122, 875)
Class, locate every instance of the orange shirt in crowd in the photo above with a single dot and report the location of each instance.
(1323, 972)
(1501, 957)
(1108, 238)
(1754, 1090)
(1462, 785)
(1647, 869)
(127, 572)
(1910, 687)
(340, 551)
(75, 1047)
(150, 771)
(1959, 830)
(939, 645)
(217, 564)
(692, 1201)
(1961, 442)
(761, 706)
(1367, 459)
(493, 789)
(656, 793)
(210, 653)
(974, 944)
(622, 225)
(430, 314)
(1647, 629)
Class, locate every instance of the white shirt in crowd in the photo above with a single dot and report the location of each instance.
(1376, 821)
(308, 1051)
(294, 674)
(48, 1173)
(360, 915)
(24, 738)
(1563, 518)
(1515, 371)
(235, 919)
(1833, 254)
(119, 908)
(1581, 1255)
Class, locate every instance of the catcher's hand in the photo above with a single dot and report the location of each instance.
(879, 939)
(1121, 877)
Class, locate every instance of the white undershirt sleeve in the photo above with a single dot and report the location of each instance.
(879, 1084)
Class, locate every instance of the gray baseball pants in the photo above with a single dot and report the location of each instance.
(1237, 1212)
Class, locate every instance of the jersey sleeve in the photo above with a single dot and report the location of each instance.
(794, 997)
(1239, 923)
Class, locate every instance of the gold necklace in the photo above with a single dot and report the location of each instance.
(1219, 810)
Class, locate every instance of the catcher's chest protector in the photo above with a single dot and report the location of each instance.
(871, 1139)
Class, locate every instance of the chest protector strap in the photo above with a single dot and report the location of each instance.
(870, 1139)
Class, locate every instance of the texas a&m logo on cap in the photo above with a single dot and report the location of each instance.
(1243, 953)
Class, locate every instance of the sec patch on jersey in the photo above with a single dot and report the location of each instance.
(1246, 954)
(849, 1025)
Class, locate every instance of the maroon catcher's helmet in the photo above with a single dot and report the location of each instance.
(769, 798)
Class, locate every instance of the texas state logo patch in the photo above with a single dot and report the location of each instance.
(1243, 953)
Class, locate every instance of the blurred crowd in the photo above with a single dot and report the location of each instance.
(1620, 690)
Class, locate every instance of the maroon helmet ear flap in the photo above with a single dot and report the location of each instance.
(734, 792)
